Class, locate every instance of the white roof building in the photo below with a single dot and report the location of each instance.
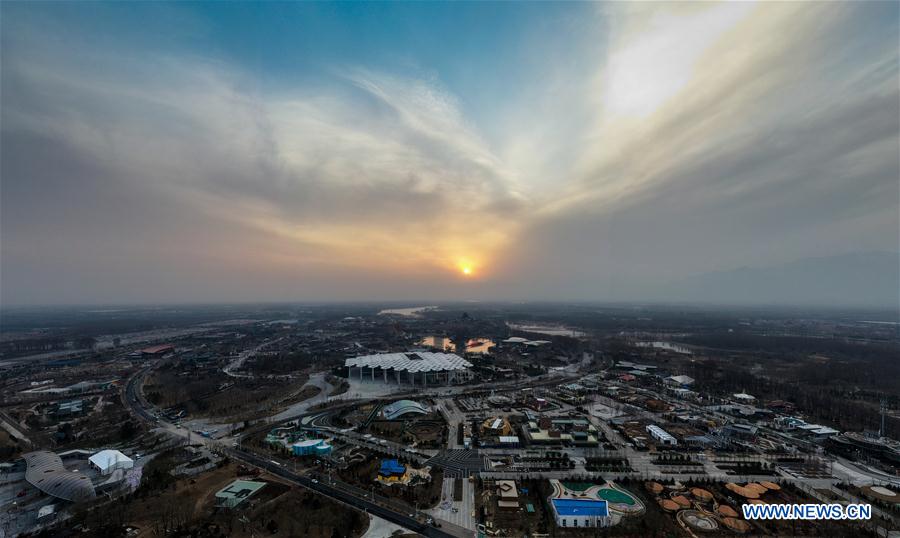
(682, 380)
(661, 435)
(107, 461)
(401, 408)
(418, 368)
(421, 361)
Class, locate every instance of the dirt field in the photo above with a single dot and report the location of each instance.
(218, 395)
(181, 500)
(186, 507)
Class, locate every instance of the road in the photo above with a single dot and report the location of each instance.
(7, 423)
(456, 512)
(340, 492)
(457, 523)
(244, 355)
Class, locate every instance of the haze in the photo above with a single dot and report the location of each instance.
(629, 151)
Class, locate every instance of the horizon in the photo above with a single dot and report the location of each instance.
(112, 308)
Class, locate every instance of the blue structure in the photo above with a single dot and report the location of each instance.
(580, 512)
(311, 447)
(391, 468)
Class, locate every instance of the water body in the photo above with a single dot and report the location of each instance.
(543, 328)
(475, 345)
(408, 312)
(668, 346)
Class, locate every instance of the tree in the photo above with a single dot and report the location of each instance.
(127, 430)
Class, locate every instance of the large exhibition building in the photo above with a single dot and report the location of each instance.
(419, 368)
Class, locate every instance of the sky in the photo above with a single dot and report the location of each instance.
(222, 152)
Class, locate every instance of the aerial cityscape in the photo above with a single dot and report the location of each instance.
(389, 269)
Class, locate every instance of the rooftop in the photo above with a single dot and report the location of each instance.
(681, 379)
(107, 458)
(391, 467)
(403, 407)
(580, 507)
(309, 442)
(45, 471)
(420, 361)
(237, 492)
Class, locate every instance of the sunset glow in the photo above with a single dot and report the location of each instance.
(370, 150)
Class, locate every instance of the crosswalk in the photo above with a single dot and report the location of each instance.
(459, 463)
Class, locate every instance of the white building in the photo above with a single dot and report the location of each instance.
(419, 368)
(107, 461)
(661, 435)
(679, 381)
(402, 408)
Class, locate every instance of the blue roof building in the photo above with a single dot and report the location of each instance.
(580, 512)
(390, 467)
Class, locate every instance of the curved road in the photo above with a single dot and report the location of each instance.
(134, 400)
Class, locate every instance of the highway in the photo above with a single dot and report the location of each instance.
(343, 493)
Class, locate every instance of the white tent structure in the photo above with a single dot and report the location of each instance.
(419, 368)
(107, 461)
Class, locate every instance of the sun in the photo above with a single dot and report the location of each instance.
(467, 267)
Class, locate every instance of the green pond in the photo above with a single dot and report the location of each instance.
(615, 496)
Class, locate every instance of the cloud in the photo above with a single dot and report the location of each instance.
(368, 170)
(780, 141)
(685, 138)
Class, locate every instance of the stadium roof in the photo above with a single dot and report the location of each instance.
(45, 471)
(580, 507)
(403, 407)
(420, 361)
(106, 459)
